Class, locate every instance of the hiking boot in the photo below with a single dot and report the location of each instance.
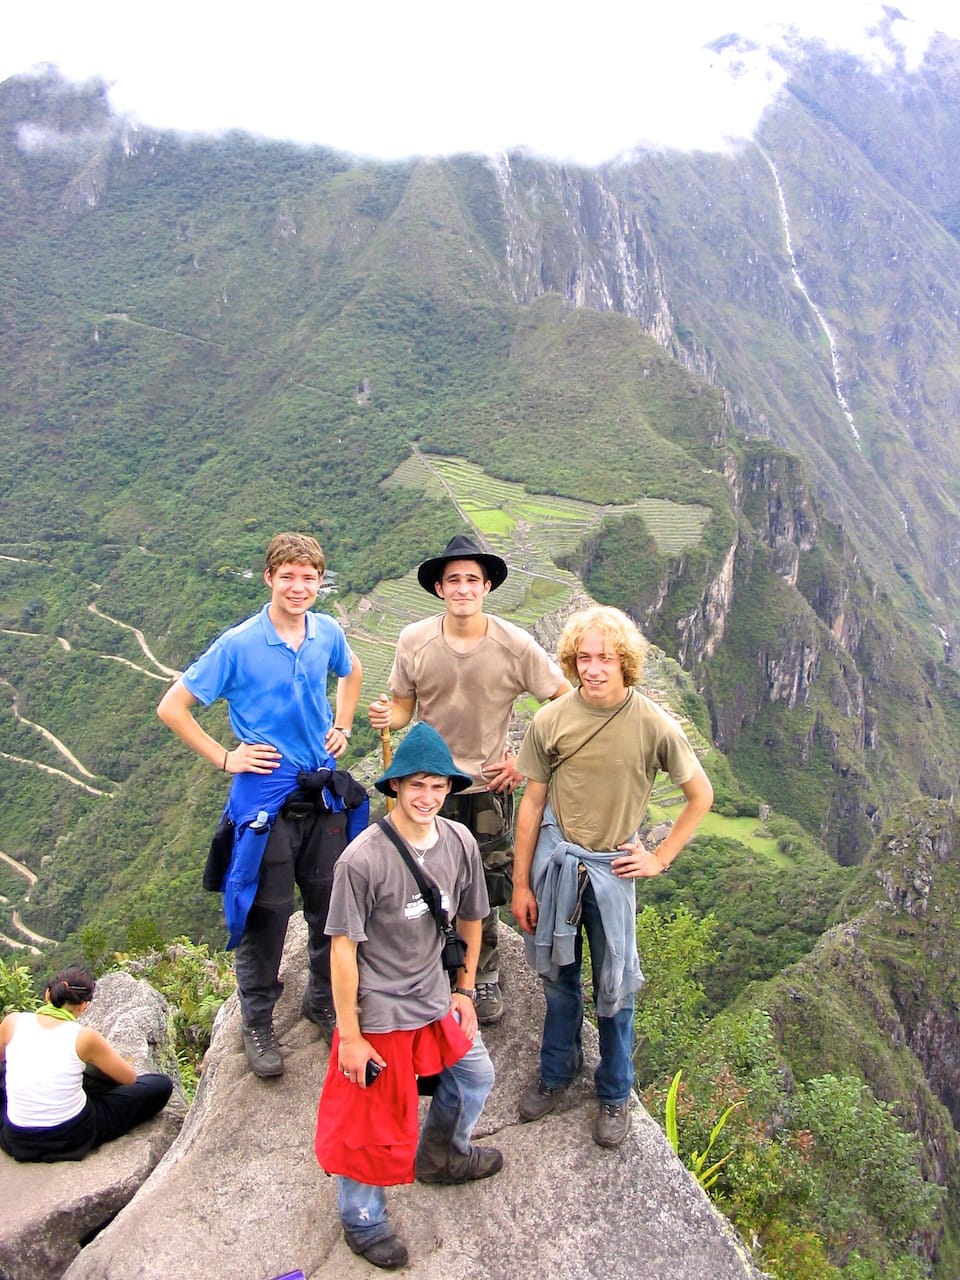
(440, 1164)
(612, 1124)
(320, 1012)
(263, 1053)
(489, 1003)
(389, 1253)
(539, 1099)
(479, 1162)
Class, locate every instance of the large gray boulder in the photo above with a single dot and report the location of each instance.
(239, 1195)
(51, 1210)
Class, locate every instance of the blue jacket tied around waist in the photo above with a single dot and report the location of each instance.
(253, 793)
(554, 883)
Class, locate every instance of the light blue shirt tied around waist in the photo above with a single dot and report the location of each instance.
(554, 883)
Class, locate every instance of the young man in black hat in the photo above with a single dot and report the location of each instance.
(396, 1016)
(462, 671)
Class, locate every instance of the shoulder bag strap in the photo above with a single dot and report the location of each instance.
(428, 890)
(593, 733)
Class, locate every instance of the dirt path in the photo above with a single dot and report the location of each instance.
(115, 657)
(15, 920)
(141, 641)
(45, 733)
(19, 946)
(29, 933)
(36, 635)
(58, 773)
(19, 867)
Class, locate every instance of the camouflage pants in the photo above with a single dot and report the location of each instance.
(490, 818)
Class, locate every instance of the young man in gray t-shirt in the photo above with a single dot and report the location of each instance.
(396, 1016)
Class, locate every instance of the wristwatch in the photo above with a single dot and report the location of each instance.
(347, 733)
(469, 992)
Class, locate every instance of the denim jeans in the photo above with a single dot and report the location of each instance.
(460, 1094)
(561, 1050)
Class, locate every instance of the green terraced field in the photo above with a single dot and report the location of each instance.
(531, 531)
(506, 513)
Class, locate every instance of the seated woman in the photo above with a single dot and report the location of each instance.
(51, 1109)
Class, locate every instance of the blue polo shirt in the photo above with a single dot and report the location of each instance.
(275, 695)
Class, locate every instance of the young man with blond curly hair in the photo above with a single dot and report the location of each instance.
(590, 759)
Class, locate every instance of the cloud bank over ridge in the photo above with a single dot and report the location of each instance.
(428, 78)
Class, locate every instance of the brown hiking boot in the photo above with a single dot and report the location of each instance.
(612, 1124)
(539, 1099)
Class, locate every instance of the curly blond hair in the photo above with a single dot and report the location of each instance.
(618, 631)
(294, 548)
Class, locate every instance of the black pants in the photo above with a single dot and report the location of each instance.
(302, 850)
(111, 1111)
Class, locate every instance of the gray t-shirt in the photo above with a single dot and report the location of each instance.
(376, 902)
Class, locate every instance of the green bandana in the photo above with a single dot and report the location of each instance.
(51, 1011)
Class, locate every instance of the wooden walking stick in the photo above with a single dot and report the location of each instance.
(387, 748)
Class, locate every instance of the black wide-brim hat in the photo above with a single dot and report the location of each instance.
(423, 751)
(462, 547)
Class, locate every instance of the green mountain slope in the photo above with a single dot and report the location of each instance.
(212, 341)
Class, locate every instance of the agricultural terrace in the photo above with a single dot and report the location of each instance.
(531, 531)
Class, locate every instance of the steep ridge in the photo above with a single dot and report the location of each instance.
(875, 996)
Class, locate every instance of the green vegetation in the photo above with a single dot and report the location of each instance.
(195, 982)
(16, 989)
(822, 1176)
(706, 1174)
(674, 950)
(764, 915)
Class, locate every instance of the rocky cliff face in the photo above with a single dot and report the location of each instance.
(569, 233)
(879, 994)
(916, 873)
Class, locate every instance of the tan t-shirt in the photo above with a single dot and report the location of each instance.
(468, 697)
(600, 794)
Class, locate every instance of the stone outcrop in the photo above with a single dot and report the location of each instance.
(239, 1195)
(51, 1210)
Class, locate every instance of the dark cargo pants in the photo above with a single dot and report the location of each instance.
(302, 850)
(489, 816)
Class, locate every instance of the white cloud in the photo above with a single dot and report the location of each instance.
(389, 80)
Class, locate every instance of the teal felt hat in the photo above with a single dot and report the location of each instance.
(423, 751)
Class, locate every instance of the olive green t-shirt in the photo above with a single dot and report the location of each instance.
(600, 793)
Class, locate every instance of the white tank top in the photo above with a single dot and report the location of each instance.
(44, 1075)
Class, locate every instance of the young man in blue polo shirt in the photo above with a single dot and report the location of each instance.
(272, 671)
